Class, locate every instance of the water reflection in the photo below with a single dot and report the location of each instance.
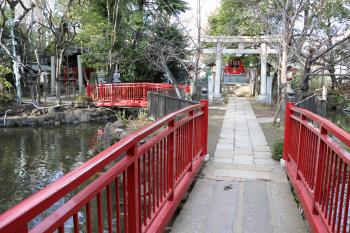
(32, 158)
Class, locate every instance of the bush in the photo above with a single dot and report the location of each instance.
(6, 98)
(122, 117)
(142, 115)
(277, 150)
(82, 99)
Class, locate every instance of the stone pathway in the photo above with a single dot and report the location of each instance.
(242, 189)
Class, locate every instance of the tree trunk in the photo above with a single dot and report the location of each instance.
(111, 73)
(172, 79)
(37, 86)
(59, 58)
(331, 71)
(283, 81)
(284, 60)
(32, 95)
(18, 80)
(304, 86)
(198, 52)
(37, 89)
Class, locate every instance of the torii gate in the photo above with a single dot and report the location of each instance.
(264, 50)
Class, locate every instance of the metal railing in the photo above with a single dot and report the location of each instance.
(318, 164)
(133, 186)
(313, 104)
(161, 104)
(126, 94)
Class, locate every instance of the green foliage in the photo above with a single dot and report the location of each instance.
(94, 35)
(122, 116)
(4, 70)
(173, 7)
(142, 115)
(82, 99)
(125, 39)
(296, 80)
(234, 18)
(5, 86)
(277, 150)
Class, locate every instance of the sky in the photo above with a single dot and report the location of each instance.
(189, 20)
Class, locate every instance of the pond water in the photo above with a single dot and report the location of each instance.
(31, 158)
(340, 119)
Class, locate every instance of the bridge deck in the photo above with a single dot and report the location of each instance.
(241, 188)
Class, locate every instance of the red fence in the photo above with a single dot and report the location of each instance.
(318, 165)
(126, 94)
(133, 186)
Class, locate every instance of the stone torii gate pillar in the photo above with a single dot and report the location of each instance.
(218, 70)
(263, 69)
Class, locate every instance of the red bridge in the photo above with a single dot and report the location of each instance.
(126, 94)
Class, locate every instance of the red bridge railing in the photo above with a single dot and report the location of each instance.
(133, 186)
(318, 165)
(126, 94)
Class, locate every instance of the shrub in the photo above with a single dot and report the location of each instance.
(277, 150)
(83, 99)
(122, 117)
(142, 115)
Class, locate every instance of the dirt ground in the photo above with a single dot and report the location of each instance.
(216, 118)
(272, 133)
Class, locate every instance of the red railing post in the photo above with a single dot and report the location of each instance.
(110, 92)
(133, 193)
(300, 146)
(171, 158)
(100, 87)
(287, 131)
(113, 93)
(205, 126)
(321, 153)
(191, 147)
(144, 92)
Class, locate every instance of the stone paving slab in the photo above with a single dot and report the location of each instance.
(256, 214)
(241, 190)
(222, 207)
(198, 206)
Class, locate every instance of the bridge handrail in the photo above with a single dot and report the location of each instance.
(193, 118)
(126, 94)
(325, 123)
(318, 165)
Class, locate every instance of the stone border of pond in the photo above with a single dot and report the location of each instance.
(58, 116)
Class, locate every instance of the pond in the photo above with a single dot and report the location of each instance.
(340, 119)
(32, 158)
